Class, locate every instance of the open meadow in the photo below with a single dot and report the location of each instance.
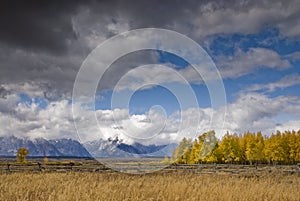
(155, 186)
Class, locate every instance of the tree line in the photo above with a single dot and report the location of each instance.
(247, 148)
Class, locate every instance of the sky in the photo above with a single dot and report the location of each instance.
(254, 46)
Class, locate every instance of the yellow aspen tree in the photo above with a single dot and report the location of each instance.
(250, 149)
(186, 155)
(181, 149)
(21, 155)
(215, 156)
(259, 147)
(297, 157)
(208, 145)
(268, 150)
(230, 147)
(194, 158)
(243, 147)
(292, 142)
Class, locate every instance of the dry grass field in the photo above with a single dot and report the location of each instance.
(157, 186)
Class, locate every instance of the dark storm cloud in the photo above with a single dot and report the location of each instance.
(44, 43)
(3, 92)
(48, 25)
(38, 25)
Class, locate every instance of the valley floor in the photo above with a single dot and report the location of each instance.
(156, 186)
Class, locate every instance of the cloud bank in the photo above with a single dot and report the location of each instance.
(41, 53)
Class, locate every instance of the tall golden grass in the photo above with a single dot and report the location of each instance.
(157, 186)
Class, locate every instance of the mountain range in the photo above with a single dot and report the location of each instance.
(116, 148)
(72, 148)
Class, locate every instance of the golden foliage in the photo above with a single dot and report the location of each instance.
(249, 148)
(46, 160)
(21, 155)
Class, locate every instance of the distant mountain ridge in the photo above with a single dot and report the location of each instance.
(116, 148)
(42, 147)
(72, 148)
